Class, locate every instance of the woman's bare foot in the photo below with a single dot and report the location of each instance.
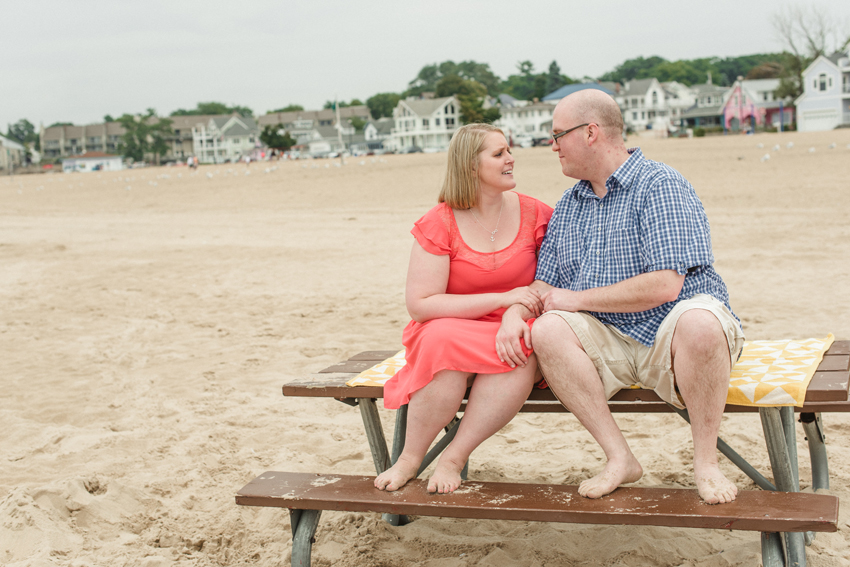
(446, 477)
(614, 474)
(397, 475)
(713, 486)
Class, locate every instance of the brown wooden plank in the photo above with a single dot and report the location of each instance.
(839, 347)
(753, 510)
(838, 362)
(828, 386)
(349, 366)
(376, 355)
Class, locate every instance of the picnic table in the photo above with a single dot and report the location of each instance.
(827, 392)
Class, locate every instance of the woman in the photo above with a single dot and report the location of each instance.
(474, 255)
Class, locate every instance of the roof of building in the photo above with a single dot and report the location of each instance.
(384, 125)
(425, 106)
(570, 89)
(637, 87)
(837, 56)
(360, 111)
(9, 143)
(703, 111)
(708, 89)
(235, 125)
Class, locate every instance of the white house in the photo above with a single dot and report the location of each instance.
(532, 121)
(92, 161)
(644, 105)
(424, 123)
(825, 102)
(12, 154)
(679, 98)
(225, 138)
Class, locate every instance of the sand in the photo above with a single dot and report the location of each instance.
(150, 317)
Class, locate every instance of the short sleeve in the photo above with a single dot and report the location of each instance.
(675, 234)
(431, 233)
(544, 213)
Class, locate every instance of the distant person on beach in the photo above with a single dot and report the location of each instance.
(474, 255)
(630, 295)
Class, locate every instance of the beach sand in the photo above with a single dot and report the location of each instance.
(150, 317)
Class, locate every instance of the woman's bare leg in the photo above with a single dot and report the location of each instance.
(429, 410)
(493, 401)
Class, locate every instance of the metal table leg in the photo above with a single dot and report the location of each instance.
(783, 473)
(399, 435)
(304, 524)
(374, 433)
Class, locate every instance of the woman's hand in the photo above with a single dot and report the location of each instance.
(525, 296)
(511, 332)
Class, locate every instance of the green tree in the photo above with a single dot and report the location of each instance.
(24, 132)
(357, 122)
(382, 104)
(428, 77)
(212, 108)
(61, 124)
(144, 134)
(554, 79)
(273, 138)
(108, 118)
(288, 108)
(528, 85)
(470, 95)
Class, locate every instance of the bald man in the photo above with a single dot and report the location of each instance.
(630, 295)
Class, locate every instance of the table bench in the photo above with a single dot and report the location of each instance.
(827, 392)
(307, 495)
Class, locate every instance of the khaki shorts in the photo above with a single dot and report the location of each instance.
(623, 362)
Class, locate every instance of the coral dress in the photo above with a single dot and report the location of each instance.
(467, 345)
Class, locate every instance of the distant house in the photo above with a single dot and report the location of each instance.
(424, 123)
(225, 138)
(708, 106)
(763, 91)
(679, 98)
(643, 103)
(531, 121)
(825, 102)
(12, 154)
(92, 161)
(300, 124)
(64, 141)
(739, 108)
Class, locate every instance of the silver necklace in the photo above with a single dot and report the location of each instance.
(495, 230)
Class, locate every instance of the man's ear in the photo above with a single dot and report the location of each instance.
(593, 133)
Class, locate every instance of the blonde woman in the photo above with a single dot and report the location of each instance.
(474, 255)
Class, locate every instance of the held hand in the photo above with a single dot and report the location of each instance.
(511, 332)
(525, 296)
(561, 300)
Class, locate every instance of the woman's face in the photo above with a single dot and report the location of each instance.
(496, 164)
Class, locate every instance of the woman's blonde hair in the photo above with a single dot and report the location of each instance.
(460, 188)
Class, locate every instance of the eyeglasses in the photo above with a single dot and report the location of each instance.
(565, 132)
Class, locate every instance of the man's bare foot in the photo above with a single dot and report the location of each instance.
(713, 486)
(397, 475)
(446, 477)
(613, 475)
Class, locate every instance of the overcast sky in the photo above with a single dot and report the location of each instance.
(75, 61)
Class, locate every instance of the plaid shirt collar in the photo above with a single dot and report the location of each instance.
(622, 178)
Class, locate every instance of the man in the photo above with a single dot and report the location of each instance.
(630, 294)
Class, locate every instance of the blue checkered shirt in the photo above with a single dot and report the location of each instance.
(650, 219)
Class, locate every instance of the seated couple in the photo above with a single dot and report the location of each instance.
(614, 287)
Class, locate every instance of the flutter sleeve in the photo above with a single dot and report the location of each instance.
(431, 232)
(544, 213)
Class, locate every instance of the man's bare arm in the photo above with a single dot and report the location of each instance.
(639, 293)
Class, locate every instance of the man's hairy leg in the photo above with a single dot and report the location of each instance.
(574, 380)
(701, 366)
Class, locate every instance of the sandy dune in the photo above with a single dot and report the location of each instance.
(149, 318)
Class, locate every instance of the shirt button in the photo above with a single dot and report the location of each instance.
(597, 253)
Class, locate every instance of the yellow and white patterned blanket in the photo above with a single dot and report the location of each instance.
(768, 373)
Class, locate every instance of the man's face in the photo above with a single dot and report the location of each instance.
(568, 147)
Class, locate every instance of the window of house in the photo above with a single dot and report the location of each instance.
(634, 115)
(450, 121)
(450, 109)
(436, 122)
(654, 98)
(822, 81)
(424, 122)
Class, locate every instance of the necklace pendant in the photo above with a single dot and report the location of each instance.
(492, 238)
